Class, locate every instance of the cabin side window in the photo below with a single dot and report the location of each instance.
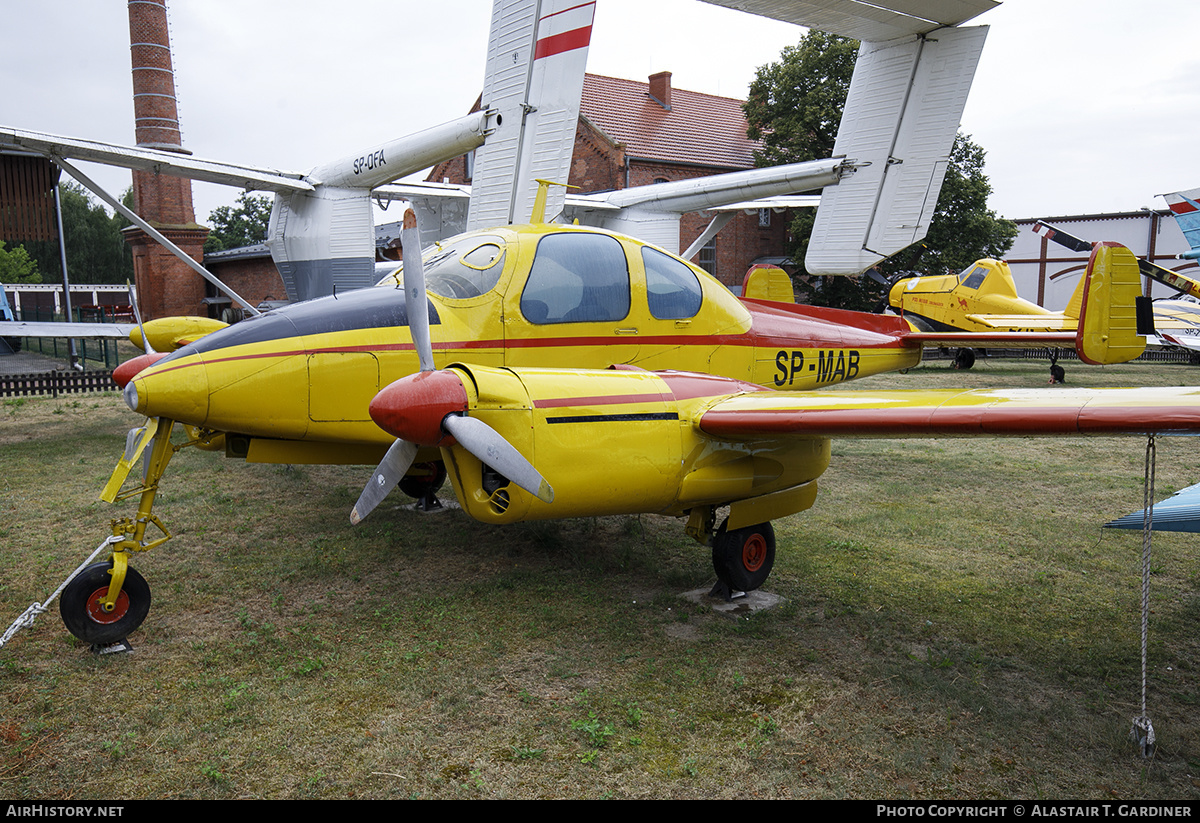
(973, 278)
(672, 288)
(577, 278)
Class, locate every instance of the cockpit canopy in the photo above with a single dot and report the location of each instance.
(575, 276)
(465, 266)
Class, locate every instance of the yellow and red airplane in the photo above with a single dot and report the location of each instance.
(628, 377)
(984, 297)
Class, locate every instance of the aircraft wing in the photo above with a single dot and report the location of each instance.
(954, 413)
(1044, 322)
(76, 331)
(882, 20)
(166, 162)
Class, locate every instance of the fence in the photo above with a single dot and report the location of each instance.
(1148, 356)
(55, 383)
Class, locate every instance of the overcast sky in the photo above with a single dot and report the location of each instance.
(1083, 106)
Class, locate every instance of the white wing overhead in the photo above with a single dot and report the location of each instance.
(875, 21)
(153, 160)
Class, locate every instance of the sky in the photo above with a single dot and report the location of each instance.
(1083, 106)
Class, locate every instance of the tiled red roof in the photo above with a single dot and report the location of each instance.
(700, 129)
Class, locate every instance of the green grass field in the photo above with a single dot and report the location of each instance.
(956, 625)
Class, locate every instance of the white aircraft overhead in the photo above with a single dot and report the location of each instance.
(879, 190)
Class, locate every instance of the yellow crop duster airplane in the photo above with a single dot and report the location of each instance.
(983, 297)
(560, 371)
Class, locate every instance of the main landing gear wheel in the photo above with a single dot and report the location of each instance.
(83, 612)
(964, 359)
(743, 558)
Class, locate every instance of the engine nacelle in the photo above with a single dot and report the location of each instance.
(619, 441)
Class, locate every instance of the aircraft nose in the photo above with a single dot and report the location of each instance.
(178, 391)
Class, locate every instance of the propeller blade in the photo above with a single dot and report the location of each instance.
(137, 315)
(400, 455)
(414, 290)
(391, 468)
(491, 448)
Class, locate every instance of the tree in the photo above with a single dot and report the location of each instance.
(241, 225)
(794, 108)
(16, 266)
(963, 228)
(96, 249)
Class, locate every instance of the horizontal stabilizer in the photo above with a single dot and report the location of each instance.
(902, 113)
(1061, 237)
(651, 213)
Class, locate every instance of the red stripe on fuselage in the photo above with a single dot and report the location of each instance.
(609, 400)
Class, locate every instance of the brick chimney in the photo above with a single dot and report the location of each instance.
(166, 285)
(660, 88)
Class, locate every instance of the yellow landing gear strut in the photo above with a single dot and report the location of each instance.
(109, 600)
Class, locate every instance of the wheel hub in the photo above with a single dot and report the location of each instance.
(98, 614)
(754, 552)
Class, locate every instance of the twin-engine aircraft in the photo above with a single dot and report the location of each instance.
(560, 371)
(556, 371)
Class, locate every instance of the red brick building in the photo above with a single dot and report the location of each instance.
(633, 134)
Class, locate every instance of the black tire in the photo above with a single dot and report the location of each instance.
(743, 558)
(428, 481)
(79, 605)
(1058, 374)
(964, 359)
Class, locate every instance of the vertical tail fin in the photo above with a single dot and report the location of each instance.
(1107, 330)
(1187, 214)
(537, 53)
(902, 113)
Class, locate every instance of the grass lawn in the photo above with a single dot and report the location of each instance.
(956, 625)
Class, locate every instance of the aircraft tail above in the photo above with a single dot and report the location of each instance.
(537, 53)
(325, 238)
(898, 127)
